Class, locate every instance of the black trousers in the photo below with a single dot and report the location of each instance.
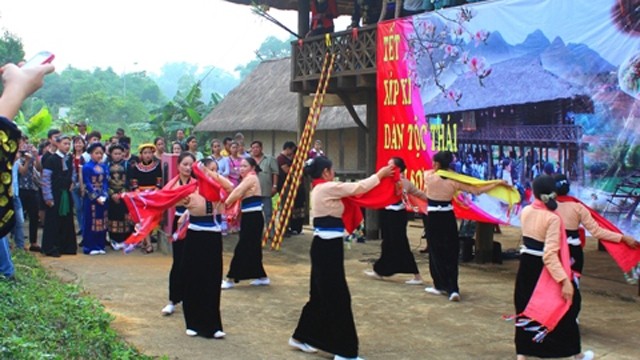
(30, 203)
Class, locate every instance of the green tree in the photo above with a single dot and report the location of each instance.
(184, 112)
(181, 76)
(271, 48)
(11, 50)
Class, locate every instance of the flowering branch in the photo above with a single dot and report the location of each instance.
(444, 49)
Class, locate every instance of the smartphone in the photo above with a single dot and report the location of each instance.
(43, 57)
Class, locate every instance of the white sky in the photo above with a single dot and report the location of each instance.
(136, 35)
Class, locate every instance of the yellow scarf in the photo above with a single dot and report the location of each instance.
(508, 194)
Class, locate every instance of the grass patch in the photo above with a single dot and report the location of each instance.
(43, 318)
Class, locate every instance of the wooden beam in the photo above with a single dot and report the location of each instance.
(354, 115)
(366, 81)
(372, 217)
(329, 100)
(359, 98)
(346, 82)
(309, 86)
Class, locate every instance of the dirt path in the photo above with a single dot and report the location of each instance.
(394, 320)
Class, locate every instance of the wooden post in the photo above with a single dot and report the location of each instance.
(372, 217)
(523, 156)
(303, 112)
(362, 155)
(484, 243)
(304, 7)
(490, 162)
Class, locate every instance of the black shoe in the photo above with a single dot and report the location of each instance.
(35, 248)
(55, 255)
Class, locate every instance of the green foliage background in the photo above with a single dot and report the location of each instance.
(147, 105)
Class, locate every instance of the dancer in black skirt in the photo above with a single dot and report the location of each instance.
(573, 215)
(326, 322)
(202, 263)
(247, 257)
(442, 228)
(396, 256)
(176, 283)
(542, 238)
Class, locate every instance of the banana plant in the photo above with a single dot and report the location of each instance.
(182, 112)
(37, 126)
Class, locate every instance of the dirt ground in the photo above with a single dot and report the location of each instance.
(394, 320)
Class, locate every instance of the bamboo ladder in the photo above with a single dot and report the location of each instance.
(282, 213)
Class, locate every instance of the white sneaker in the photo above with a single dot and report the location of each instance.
(413, 282)
(94, 252)
(372, 274)
(168, 310)
(219, 334)
(433, 291)
(302, 346)
(338, 357)
(588, 355)
(454, 297)
(226, 284)
(102, 252)
(190, 332)
(116, 246)
(261, 282)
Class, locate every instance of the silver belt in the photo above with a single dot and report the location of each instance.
(574, 241)
(526, 250)
(440, 208)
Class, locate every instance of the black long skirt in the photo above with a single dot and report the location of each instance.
(444, 247)
(176, 283)
(327, 321)
(564, 340)
(202, 275)
(119, 223)
(577, 258)
(247, 256)
(396, 256)
(59, 234)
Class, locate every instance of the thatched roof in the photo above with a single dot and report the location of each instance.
(516, 81)
(263, 102)
(345, 7)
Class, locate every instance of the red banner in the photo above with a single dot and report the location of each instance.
(402, 128)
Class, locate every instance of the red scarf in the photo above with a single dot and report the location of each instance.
(546, 305)
(626, 257)
(146, 208)
(209, 188)
(382, 195)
